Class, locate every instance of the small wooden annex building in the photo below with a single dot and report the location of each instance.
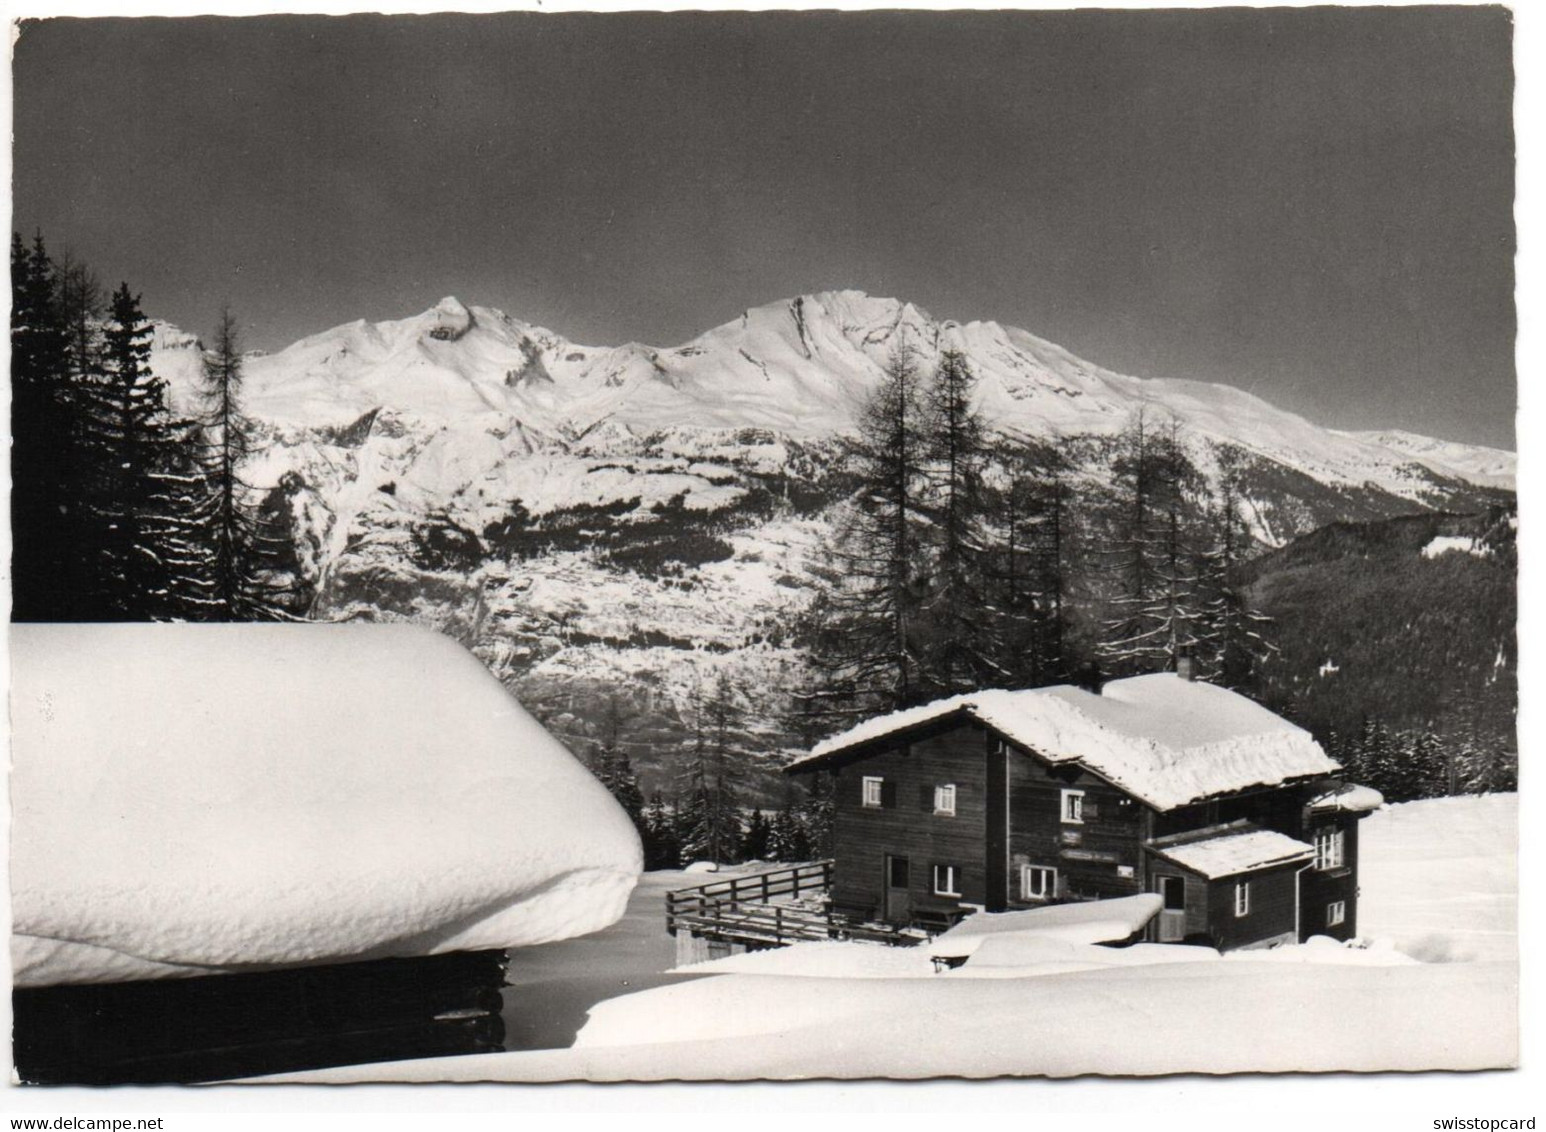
(1003, 800)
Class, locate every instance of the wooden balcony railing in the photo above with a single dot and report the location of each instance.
(757, 909)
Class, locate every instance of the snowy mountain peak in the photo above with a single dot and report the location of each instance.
(801, 367)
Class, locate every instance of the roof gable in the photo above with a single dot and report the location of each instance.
(1165, 740)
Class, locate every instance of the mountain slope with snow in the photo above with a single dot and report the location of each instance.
(802, 368)
(605, 523)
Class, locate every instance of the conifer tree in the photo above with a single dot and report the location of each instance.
(709, 823)
(661, 848)
(756, 837)
(1232, 640)
(80, 310)
(612, 766)
(868, 650)
(250, 559)
(816, 813)
(1155, 610)
(956, 655)
(1030, 545)
(127, 444)
(48, 576)
(788, 841)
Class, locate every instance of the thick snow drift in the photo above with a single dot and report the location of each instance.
(1028, 1004)
(1439, 878)
(1197, 1017)
(1094, 921)
(189, 799)
(1166, 740)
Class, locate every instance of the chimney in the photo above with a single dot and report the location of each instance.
(1089, 677)
(1186, 665)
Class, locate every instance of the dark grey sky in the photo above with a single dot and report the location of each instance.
(1313, 204)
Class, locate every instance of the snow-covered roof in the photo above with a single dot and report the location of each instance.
(1349, 798)
(1163, 739)
(191, 798)
(1089, 921)
(1233, 850)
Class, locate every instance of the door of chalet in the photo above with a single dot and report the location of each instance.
(899, 896)
(1172, 916)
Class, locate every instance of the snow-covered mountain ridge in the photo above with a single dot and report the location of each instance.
(800, 367)
(601, 522)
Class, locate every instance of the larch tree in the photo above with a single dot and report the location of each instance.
(1028, 562)
(251, 562)
(867, 645)
(956, 655)
(1233, 639)
(709, 822)
(1152, 563)
(82, 308)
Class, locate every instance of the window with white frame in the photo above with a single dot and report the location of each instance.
(1038, 882)
(1242, 897)
(1073, 806)
(947, 880)
(1336, 913)
(945, 799)
(872, 791)
(1328, 849)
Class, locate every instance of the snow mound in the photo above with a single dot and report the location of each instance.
(1163, 739)
(1439, 878)
(1020, 954)
(824, 959)
(191, 799)
(1325, 950)
(1103, 1021)
(1092, 921)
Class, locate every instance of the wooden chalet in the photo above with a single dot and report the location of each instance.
(1005, 800)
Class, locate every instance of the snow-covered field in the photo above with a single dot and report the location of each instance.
(1438, 880)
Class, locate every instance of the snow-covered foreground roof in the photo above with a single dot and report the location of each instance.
(1235, 851)
(1090, 921)
(188, 799)
(1165, 740)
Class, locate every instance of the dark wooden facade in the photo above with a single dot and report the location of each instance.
(218, 1027)
(1322, 888)
(1011, 842)
(888, 852)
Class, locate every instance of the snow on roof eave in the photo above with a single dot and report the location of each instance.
(1256, 867)
(1350, 798)
(833, 750)
(820, 758)
(1248, 788)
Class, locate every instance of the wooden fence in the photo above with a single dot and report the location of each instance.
(747, 909)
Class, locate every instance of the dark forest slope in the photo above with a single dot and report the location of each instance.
(1397, 633)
